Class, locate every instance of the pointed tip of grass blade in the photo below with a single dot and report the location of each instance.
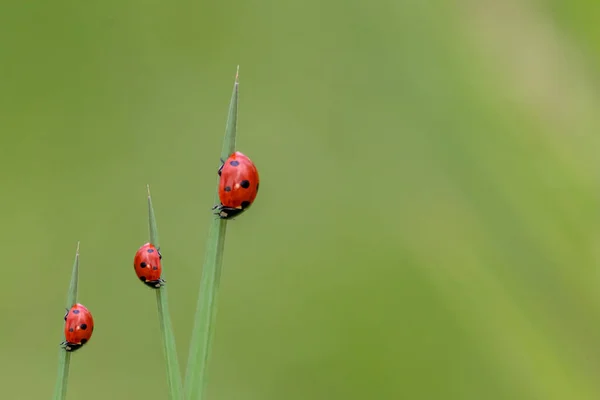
(72, 294)
(231, 125)
(152, 221)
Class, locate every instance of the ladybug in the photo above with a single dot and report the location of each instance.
(147, 265)
(238, 185)
(79, 326)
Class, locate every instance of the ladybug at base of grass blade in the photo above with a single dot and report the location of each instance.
(147, 266)
(238, 185)
(79, 326)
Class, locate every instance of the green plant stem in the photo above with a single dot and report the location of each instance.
(64, 357)
(206, 309)
(164, 318)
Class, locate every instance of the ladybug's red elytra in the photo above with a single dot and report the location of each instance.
(147, 265)
(79, 326)
(238, 185)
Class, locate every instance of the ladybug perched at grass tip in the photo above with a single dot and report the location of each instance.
(79, 326)
(238, 185)
(147, 265)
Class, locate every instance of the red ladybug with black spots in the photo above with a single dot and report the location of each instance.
(238, 185)
(79, 326)
(147, 265)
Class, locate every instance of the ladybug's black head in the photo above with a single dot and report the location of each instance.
(153, 284)
(231, 212)
(71, 347)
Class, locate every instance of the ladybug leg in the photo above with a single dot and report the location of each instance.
(66, 313)
(159, 255)
(221, 167)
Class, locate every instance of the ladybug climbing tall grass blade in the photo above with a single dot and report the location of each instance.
(238, 185)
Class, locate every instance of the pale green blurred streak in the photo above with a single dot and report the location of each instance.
(419, 233)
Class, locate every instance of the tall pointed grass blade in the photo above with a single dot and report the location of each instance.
(164, 318)
(206, 309)
(64, 357)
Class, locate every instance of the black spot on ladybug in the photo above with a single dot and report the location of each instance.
(155, 268)
(245, 184)
(75, 311)
(257, 187)
(150, 250)
(245, 204)
(143, 265)
(143, 278)
(70, 329)
(234, 163)
(83, 326)
(228, 188)
(83, 341)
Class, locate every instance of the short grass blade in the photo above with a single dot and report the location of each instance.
(166, 328)
(206, 309)
(64, 357)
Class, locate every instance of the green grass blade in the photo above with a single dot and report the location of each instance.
(206, 309)
(64, 357)
(166, 328)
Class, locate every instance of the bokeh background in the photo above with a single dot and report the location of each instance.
(427, 226)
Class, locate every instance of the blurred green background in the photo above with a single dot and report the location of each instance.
(427, 226)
